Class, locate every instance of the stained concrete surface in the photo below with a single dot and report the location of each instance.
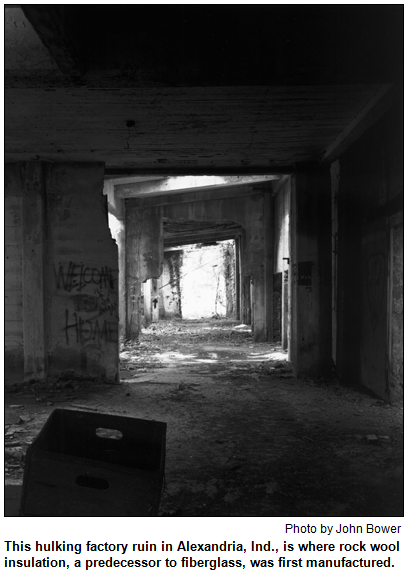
(244, 437)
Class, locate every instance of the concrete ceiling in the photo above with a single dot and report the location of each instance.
(180, 90)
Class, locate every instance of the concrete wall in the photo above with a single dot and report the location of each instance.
(69, 308)
(370, 203)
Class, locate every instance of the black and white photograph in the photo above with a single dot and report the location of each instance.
(203, 263)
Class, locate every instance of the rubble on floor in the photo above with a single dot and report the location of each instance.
(244, 436)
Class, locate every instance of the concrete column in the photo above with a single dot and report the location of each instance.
(155, 308)
(258, 306)
(247, 306)
(144, 258)
(82, 273)
(33, 258)
(284, 310)
(311, 272)
(289, 309)
(147, 302)
(237, 278)
(68, 267)
(121, 246)
(133, 234)
(268, 265)
(117, 215)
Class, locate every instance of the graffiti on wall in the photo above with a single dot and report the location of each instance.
(76, 277)
(86, 331)
(91, 317)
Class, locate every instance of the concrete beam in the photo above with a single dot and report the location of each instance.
(131, 179)
(179, 184)
(200, 239)
(199, 195)
(272, 170)
(373, 110)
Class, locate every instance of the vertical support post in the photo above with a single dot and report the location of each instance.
(284, 310)
(147, 302)
(121, 246)
(237, 277)
(311, 283)
(268, 264)
(133, 232)
(289, 275)
(247, 308)
(154, 300)
(33, 252)
(117, 212)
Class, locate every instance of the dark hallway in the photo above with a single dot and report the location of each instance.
(164, 127)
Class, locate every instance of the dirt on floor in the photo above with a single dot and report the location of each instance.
(244, 436)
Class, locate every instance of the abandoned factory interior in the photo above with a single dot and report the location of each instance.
(203, 216)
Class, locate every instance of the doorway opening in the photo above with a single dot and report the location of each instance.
(193, 248)
(198, 281)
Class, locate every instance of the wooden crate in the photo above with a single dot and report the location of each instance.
(89, 464)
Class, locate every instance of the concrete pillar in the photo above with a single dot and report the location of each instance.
(285, 310)
(155, 304)
(247, 306)
(33, 253)
(133, 283)
(144, 258)
(66, 270)
(258, 298)
(311, 272)
(81, 272)
(268, 265)
(147, 302)
(237, 279)
(117, 213)
(121, 246)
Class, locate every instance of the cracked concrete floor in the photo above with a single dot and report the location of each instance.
(244, 437)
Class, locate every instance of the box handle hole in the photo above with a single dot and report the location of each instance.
(109, 433)
(92, 482)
